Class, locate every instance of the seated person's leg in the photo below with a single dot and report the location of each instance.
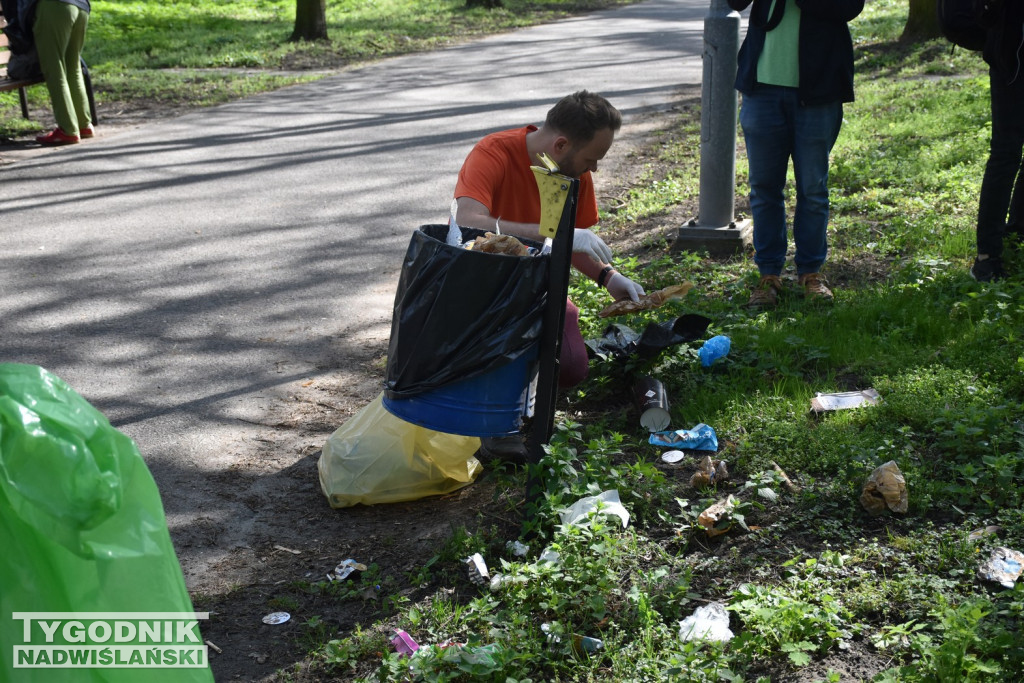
(573, 362)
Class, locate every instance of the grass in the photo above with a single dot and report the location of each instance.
(811, 581)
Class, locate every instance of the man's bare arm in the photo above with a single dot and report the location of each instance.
(473, 214)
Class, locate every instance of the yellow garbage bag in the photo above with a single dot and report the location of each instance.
(376, 457)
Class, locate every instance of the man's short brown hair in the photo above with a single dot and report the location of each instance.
(579, 116)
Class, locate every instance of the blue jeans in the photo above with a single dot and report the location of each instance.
(1004, 172)
(776, 127)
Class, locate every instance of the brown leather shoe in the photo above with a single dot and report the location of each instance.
(766, 294)
(815, 287)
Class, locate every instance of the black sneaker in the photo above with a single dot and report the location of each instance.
(988, 270)
(510, 449)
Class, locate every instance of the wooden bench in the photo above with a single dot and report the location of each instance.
(7, 83)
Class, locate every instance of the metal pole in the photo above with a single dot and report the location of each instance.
(550, 345)
(715, 227)
(718, 116)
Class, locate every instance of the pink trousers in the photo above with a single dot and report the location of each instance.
(573, 361)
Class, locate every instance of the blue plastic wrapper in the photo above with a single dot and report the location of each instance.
(700, 438)
(713, 349)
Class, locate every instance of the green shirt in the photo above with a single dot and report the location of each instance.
(779, 63)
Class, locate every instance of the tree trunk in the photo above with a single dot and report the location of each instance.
(486, 4)
(310, 20)
(922, 22)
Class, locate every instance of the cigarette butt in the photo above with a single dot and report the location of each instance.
(213, 647)
(287, 550)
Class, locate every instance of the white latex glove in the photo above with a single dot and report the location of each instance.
(586, 242)
(621, 287)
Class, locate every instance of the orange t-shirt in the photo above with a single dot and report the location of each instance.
(497, 174)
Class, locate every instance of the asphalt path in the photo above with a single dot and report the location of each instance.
(184, 276)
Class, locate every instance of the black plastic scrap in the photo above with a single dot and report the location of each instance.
(619, 341)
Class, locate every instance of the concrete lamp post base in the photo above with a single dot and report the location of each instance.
(718, 241)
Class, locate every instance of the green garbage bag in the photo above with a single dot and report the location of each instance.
(90, 587)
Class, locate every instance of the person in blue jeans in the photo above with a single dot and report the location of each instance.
(795, 72)
(1002, 186)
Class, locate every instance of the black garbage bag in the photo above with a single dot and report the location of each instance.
(461, 313)
(659, 336)
(619, 341)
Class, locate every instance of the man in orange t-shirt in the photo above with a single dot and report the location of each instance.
(497, 192)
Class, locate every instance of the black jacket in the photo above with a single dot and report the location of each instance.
(20, 15)
(825, 51)
(1004, 44)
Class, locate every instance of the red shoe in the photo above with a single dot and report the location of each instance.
(56, 137)
(87, 132)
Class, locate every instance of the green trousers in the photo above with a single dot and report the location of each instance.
(60, 34)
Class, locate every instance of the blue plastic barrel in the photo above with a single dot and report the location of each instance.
(491, 404)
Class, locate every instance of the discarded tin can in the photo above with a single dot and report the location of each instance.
(478, 573)
(345, 569)
(403, 643)
(276, 618)
(652, 402)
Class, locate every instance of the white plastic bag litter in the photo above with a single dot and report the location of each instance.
(709, 622)
(376, 457)
(584, 506)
